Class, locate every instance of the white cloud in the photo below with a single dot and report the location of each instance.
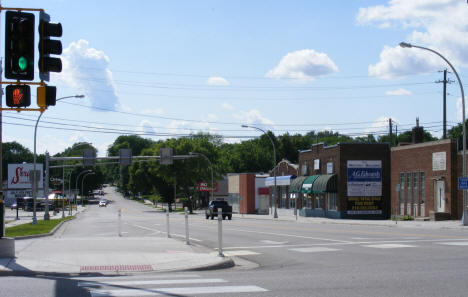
(305, 64)
(397, 61)
(146, 127)
(436, 24)
(86, 68)
(253, 117)
(380, 125)
(217, 81)
(227, 106)
(398, 92)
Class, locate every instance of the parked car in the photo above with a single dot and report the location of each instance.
(212, 210)
(103, 202)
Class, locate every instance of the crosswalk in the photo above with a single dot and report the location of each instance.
(162, 285)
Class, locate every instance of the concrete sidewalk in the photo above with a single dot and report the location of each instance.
(288, 215)
(106, 255)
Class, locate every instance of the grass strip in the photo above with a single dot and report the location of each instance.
(42, 227)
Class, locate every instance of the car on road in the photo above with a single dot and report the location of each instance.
(103, 202)
(212, 210)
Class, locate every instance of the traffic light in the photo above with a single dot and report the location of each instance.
(19, 45)
(46, 96)
(18, 96)
(49, 46)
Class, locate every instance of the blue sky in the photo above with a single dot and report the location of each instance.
(168, 68)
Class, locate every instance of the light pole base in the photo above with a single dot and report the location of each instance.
(465, 218)
(34, 221)
(46, 216)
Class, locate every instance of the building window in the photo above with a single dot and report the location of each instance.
(317, 201)
(415, 187)
(332, 201)
(408, 187)
(421, 188)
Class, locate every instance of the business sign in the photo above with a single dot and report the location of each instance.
(463, 183)
(205, 187)
(364, 178)
(439, 161)
(18, 176)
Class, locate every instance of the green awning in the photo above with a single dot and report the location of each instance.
(324, 183)
(296, 184)
(307, 184)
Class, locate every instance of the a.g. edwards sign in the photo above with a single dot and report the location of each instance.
(18, 176)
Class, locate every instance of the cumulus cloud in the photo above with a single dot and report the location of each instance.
(86, 68)
(380, 125)
(436, 24)
(227, 106)
(217, 81)
(305, 64)
(253, 117)
(146, 127)
(398, 92)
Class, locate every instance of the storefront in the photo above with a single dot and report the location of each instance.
(282, 185)
(347, 180)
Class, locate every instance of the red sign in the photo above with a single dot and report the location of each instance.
(205, 187)
(263, 191)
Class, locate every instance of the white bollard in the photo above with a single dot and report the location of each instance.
(220, 232)
(167, 221)
(187, 238)
(120, 222)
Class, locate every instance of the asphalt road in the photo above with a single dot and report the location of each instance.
(275, 258)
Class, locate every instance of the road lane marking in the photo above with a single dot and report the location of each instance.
(180, 291)
(273, 242)
(183, 236)
(151, 282)
(460, 243)
(389, 246)
(314, 250)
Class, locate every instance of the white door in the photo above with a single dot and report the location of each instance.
(440, 196)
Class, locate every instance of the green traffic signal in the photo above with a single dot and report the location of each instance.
(23, 63)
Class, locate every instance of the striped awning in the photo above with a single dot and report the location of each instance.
(307, 184)
(325, 183)
(296, 184)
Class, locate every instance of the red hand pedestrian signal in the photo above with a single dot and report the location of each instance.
(17, 96)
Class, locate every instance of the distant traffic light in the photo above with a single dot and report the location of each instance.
(49, 47)
(18, 96)
(46, 96)
(19, 45)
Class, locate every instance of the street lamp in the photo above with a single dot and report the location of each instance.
(211, 166)
(274, 165)
(409, 45)
(46, 214)
(82, 183)
(76, 184)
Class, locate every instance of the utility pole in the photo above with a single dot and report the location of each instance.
(445, 82)
(390, 131)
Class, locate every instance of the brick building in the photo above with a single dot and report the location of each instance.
(286, 172)
(424, 180)
(347, 180)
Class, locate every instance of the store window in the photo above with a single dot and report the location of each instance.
(332, 203)
(318, 203)
(408, 187)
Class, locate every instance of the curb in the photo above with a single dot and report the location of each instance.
(52, 232)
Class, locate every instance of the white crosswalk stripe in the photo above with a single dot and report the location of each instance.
(157, 286)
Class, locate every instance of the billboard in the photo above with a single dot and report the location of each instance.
(18, 176)
(364, 178)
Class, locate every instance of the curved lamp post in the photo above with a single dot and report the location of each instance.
(82, 183)
(211, 166)
(76, 184)
(409, 45)
(274, 165)
(46, 214)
